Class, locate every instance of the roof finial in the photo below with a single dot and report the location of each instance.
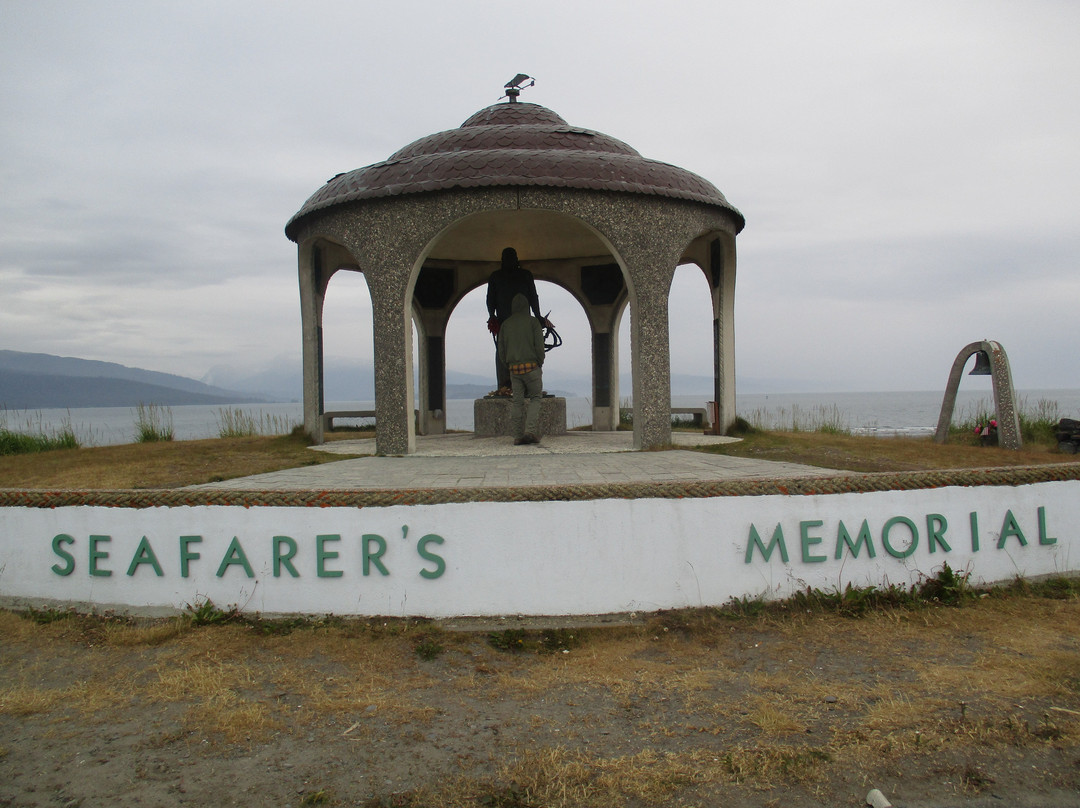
(516, 85)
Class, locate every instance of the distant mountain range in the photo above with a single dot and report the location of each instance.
(352, 380)
(43, 381)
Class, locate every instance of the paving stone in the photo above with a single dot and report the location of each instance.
(464, 461)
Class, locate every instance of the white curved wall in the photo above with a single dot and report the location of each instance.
(530, 558)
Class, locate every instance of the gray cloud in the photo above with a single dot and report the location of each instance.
(907, 170)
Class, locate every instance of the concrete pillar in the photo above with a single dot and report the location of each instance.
(604, 323)
(651, 359)
(313, 280)
(431, 355)
(605, 380)
(722, 280)
(395, 433)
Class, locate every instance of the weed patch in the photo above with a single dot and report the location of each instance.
(207, 614)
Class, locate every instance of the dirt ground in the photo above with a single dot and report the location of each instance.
(971, 705)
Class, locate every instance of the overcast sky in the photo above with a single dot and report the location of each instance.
(908, 171)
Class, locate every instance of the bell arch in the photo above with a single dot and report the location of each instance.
(997, 366)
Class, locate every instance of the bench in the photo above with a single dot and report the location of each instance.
(700, 414)
(328, 417)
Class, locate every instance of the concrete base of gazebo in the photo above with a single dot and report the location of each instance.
(491, 416)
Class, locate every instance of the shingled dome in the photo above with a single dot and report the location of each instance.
(583, 211)
(513, 145)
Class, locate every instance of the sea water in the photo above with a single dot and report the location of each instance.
(891, 413)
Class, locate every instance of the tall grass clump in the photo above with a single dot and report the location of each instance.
(35, 439)
(237, 423)
(153, 423)
(829, 419)
(1037, 421)
(12, 443)
(626, 414)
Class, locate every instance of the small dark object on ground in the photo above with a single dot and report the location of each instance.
(1067, 433)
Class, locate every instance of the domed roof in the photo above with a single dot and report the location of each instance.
(514, 144)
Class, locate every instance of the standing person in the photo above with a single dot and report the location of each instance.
(506, 282)
(521, 351)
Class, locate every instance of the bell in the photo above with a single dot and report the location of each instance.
(982, 365)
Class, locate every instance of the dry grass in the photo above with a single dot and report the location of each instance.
(861, 453)
(181, 463)
(158, 465)
(717, 704)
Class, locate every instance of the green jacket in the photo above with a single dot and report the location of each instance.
(521, 337)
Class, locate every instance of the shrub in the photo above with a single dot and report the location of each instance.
(741, 427)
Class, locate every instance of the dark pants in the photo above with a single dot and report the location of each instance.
(526, 386)
(502, 373)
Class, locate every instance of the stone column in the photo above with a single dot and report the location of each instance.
(605, 380)
(722, 278)
(651, 359)
(604, 324)
(312, 292)
(431, 354)
(395, 433)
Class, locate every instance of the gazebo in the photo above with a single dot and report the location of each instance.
(583, 210)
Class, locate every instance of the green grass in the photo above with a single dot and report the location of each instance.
(153, 423)
(35, 439)
(826, 418)
(1037, 421)
(238, 423)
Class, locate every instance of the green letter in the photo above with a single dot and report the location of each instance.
(95, 554)
(370, 557)
(1043, 538)
(936, 525)
(974, 532)
(235, 555)
(421, 548)
(69, 559)
(144, 554)
(755, 541)
(807, 540)
(843, 537)
(897, 520)
(322, 554)
(1009, 527)
(284, 559)
(187, 555)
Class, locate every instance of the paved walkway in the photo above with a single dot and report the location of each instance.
(464, 461)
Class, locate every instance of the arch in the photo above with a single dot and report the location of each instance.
(557, 247)
(1004, 403)
(319, 258)
(348, 338)
(691, 334)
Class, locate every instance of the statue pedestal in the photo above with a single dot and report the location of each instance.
(491, 416)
